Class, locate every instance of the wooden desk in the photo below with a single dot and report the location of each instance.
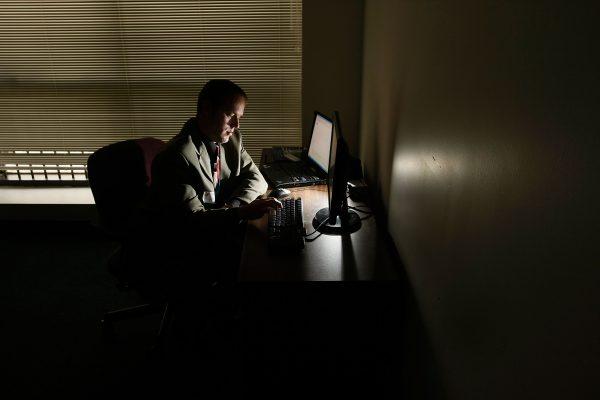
(360, 256)
(324, 320)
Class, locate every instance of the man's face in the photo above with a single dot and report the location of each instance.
(222, 122)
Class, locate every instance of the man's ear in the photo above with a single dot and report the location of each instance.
(206, 109)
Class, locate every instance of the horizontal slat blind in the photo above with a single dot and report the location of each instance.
(77, 75)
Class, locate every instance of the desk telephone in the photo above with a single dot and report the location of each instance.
(281, 153)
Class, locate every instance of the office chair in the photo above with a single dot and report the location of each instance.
(119, 176)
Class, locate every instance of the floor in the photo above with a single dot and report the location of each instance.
(54, 289)
(286, 341)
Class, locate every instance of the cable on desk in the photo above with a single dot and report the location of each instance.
(360, 210)
(315, 238)
(315, 231)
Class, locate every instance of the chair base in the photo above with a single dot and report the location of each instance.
(110, 317)
(131, 312)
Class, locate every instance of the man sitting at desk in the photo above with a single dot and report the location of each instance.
(204, 184)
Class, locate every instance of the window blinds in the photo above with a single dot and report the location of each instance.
(77, 75)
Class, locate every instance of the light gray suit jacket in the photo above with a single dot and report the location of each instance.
(182, 173)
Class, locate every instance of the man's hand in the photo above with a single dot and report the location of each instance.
(258, 208)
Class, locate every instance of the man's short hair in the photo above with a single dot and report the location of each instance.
(217, 93)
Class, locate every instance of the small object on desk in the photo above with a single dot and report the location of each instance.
(279, 193)
(286, 226)
(358, 190)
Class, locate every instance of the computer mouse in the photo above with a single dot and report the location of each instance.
(279, 193)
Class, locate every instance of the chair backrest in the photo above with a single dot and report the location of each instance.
(119, 176)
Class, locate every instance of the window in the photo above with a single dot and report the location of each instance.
(78, 75)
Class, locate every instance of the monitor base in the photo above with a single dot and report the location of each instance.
(351, 223)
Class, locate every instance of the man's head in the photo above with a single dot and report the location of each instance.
(219, 109)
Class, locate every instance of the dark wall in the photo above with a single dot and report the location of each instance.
(479, 129)
(332, 34)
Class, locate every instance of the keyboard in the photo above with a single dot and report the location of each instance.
(286, 226)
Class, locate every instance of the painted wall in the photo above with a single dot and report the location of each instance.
(479, 129)
(332, 34)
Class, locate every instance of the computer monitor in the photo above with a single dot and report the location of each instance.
(336, 218)
(320, 141)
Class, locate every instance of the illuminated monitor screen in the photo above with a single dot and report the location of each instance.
(320, 141)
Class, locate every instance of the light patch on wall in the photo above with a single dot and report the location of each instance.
(414, 164)
(424, 183)
(406, 165)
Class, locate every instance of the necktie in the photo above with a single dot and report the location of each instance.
(217, 167)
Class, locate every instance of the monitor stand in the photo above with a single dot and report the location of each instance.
(348, 222)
